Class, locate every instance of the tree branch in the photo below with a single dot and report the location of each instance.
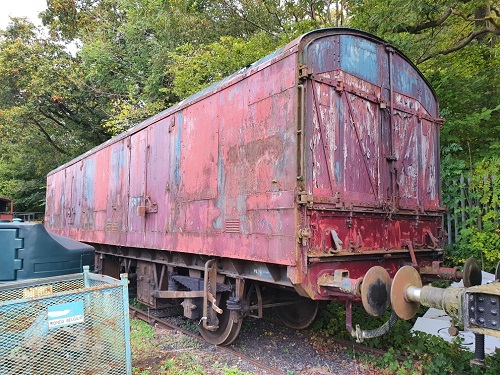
(49, 139)
(246, 19)
(474, 19)
(47, 115)
(415, 29)
(275, 14)
(473, 35)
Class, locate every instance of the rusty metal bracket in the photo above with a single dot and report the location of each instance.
(304, 72)
(210, 286)
(341, 280)
(443, 273)
(303, 236)
(412, 253)
(341, 86)
(304, 198)
(336, 241)
(434, 240)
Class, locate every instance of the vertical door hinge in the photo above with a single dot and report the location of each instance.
(304, 234)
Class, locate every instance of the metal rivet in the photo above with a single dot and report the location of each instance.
(493, 301)
(472, 320)
(494, 312)
(480, 309)
(494, 323)
(481, 320)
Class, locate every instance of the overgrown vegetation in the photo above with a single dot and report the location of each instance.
(423, 353)
(474, 194)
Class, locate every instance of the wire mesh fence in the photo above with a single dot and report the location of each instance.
(75, 324)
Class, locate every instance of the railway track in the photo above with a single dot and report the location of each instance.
(230, 350)
(153, 320)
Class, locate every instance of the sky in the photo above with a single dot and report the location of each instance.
(21, 8)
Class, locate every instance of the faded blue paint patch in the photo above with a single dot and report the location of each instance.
(117, 163)
(88, 181)
(359, 57)
(178, 148)
(322, 55)
(134, 203)
(338, 175)
(221, 195)
(406, 79)
(429, 100)
(339, 164)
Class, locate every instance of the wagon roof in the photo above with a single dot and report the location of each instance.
(292, 47)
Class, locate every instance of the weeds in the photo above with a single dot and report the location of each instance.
(171, 353)
(427, 354)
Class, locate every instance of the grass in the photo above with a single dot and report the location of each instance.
(157, 352)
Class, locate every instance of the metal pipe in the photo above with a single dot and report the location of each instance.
(449, 299)
(413, 293)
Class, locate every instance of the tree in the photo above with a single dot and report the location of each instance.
(455, 44)
(46, 114)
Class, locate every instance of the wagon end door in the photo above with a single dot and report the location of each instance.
(344, 129)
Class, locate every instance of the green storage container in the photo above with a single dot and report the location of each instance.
(28, 251)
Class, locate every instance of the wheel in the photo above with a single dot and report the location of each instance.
(298, 315)
(228, 327)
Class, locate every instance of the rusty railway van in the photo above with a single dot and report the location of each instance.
(311, 175)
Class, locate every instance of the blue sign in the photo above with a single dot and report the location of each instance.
(65, 314)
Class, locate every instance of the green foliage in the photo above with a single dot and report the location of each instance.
(196, 67)
(426, 354)
(46, 117)
(481, 235)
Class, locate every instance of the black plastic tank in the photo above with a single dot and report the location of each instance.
(28, 251)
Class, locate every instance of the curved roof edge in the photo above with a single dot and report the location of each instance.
(318, 33)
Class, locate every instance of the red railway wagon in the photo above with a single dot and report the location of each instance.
(6, 209)
(314, 170)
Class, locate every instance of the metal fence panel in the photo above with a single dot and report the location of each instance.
(74, 324)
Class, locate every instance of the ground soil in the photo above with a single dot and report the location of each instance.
(286, 350)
